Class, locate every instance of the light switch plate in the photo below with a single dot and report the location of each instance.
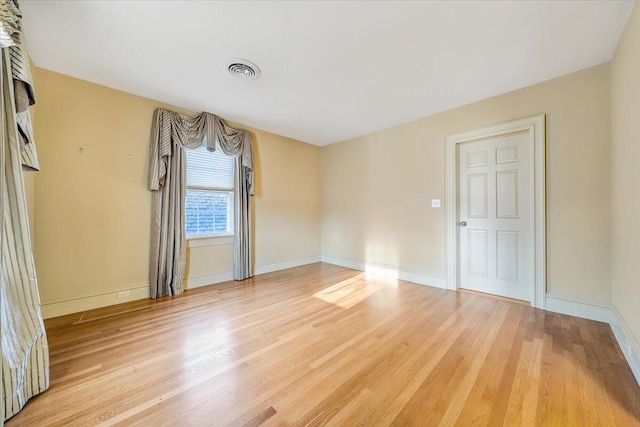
(435, 203)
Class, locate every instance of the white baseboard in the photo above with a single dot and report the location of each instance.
(586, 310)
(209, 279)
(392, 271)
(627, 341)
(591, 310)
(225, 276)
(268, 268)
(78, 305)
(555, 303)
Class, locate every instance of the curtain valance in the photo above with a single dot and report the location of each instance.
(171, 134)
(171, 128)
(11, 38)
(9, 23)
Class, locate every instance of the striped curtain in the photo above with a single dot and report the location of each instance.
(25, 356)
(239, 143)
(171, 134)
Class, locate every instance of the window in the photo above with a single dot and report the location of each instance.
(209, 200)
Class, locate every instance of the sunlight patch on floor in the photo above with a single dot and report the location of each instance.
(349, 292)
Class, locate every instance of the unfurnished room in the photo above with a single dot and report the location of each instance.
(304, 213)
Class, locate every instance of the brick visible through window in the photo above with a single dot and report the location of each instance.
(209, 198)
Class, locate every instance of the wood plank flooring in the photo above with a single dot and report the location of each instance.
(325, 345)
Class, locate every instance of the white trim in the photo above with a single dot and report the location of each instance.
(536, 127)
(268, 268)
(209, 279)
(627, 341)
(212, 240)
(586, 310)
(225, 276)
(78, 305)
(386, 270)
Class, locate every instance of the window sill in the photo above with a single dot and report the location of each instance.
(210, 240)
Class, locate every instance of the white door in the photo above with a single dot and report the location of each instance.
(494, 221)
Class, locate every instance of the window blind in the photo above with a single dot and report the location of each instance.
(209, 169)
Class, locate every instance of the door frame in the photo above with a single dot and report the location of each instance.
(536, 127)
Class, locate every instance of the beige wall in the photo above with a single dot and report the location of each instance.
(92, 209)
(377, 189)
(625, 124)
(287, 200)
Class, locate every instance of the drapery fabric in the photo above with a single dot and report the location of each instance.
(239, 143)
(4, 41)
(171, 134)
(10, 23)
(23, 93)
(25, 355)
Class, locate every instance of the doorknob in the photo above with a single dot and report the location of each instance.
(463, 223)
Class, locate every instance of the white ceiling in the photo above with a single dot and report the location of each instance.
(330, 70)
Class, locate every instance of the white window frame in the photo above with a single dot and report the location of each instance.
(213, 239)
(229, 213)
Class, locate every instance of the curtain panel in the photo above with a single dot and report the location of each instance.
(25, 355)
(171, 134)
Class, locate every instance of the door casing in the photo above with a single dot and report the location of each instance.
(535, 126)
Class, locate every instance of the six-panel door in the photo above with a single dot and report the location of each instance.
(494, 200)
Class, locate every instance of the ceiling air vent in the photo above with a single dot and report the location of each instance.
(243, 69)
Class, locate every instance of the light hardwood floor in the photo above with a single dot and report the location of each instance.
(321, 344)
